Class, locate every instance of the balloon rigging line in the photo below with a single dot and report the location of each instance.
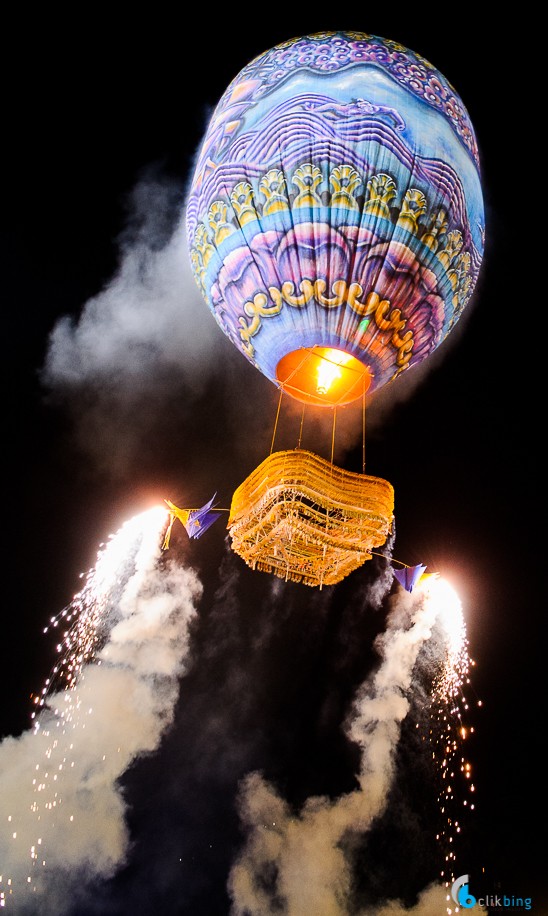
(276, 420)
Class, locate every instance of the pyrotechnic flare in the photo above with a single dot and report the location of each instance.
(63, 814)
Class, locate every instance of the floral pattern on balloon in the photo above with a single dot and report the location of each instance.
(330, 52)
(317, 267)
(336, 202)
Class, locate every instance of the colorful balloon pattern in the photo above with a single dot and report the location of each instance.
(337, 202)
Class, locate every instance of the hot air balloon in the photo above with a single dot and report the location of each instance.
(335, 226)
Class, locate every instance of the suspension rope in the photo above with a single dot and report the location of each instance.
(363, 427)
(390, 559)
(276, 420)
(301, 429)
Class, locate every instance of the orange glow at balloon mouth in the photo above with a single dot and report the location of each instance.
(323, 376)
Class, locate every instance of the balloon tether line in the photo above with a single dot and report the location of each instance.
(390, 559)
(276, 420)
(301, 427)
(363, 427)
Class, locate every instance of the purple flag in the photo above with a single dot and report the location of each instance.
(199, 520)
(409, 576)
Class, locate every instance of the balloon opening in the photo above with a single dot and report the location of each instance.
(323, 376)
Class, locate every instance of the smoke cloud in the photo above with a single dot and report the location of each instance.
(61, 807)
(142, 352)
(150, 319)
(294, 863)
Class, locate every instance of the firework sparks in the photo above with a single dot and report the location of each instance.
(68, 767)
(64, 767)
(90, 611)
(448, 731)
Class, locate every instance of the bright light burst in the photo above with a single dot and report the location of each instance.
(328, 369)
(61, 713)
(448, 730)
(89, 611)
(457, 662)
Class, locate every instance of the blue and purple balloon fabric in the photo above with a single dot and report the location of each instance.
(337, 202)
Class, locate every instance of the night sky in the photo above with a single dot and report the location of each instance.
(101, 125)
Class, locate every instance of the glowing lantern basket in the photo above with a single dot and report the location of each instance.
(303, 519)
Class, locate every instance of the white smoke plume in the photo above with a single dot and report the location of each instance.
(149, 318)
(135, 359)
(62, 811)
(295, 863)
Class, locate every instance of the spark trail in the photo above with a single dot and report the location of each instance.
(110, 698)
(449, 732)
(294, 863)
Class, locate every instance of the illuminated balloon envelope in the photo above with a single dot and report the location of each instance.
(335, 218)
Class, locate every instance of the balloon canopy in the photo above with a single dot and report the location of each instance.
(335, 219)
